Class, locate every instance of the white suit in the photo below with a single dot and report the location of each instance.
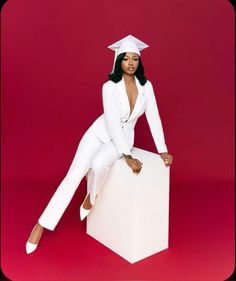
(111, 135)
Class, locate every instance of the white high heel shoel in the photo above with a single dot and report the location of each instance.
(30, 247)
(84, 212)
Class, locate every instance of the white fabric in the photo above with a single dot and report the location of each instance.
(118, 124)
(140, 45)
(111, 135)
(131, 214)
(91, 156)
(128, 47)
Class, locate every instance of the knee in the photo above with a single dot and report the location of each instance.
(99, 167)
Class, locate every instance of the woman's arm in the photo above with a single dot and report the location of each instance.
(112, 120)
(155, 125)
(154, 120)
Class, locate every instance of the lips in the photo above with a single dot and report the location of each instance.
(131, 69)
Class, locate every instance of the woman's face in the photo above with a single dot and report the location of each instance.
(130, 63)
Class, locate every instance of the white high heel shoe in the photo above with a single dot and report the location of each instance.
(84, 212)
(30, 247)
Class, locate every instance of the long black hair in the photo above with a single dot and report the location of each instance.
(118, 72)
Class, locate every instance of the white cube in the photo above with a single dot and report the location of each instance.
(131, 212)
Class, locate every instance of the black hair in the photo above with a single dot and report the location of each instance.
(118, 72)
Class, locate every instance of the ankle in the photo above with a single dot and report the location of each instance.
(39, 226)
(36, 234)
(87, 205)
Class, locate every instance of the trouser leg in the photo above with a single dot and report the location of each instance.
(85, 153)
(100, 168)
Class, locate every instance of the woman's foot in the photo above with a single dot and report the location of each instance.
(34, 238)
(86, 204)
(85, 208)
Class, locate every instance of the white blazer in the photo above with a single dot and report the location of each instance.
(117, 124)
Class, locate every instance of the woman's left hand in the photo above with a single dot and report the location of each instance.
(167, 158)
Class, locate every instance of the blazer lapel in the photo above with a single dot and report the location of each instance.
(125, 100)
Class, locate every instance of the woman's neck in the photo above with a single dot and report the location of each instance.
(128, 78)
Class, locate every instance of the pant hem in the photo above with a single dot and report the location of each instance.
(45, 226)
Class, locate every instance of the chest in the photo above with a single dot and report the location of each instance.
(132, 93)
(130, 101)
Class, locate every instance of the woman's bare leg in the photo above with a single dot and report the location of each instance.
(87, 205)
(36, 234)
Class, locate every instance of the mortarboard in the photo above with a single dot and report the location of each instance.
(127, 44)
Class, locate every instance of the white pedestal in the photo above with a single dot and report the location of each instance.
(131, 213)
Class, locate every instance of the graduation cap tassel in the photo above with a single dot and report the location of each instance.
(113, 69)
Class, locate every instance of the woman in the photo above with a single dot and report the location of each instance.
(126, 96)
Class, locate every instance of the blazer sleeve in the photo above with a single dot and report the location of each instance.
(154, 120)
(112, 120)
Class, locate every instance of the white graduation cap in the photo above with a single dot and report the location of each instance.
(127, 44)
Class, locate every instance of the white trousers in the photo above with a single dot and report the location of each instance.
(92, 156)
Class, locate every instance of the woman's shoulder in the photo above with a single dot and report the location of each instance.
(108, 83)
(148, 84)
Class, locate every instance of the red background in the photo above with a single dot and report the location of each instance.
(54, 62)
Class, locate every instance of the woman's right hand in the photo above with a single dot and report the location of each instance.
(134, 164)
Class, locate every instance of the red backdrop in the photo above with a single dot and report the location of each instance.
(55, 60)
